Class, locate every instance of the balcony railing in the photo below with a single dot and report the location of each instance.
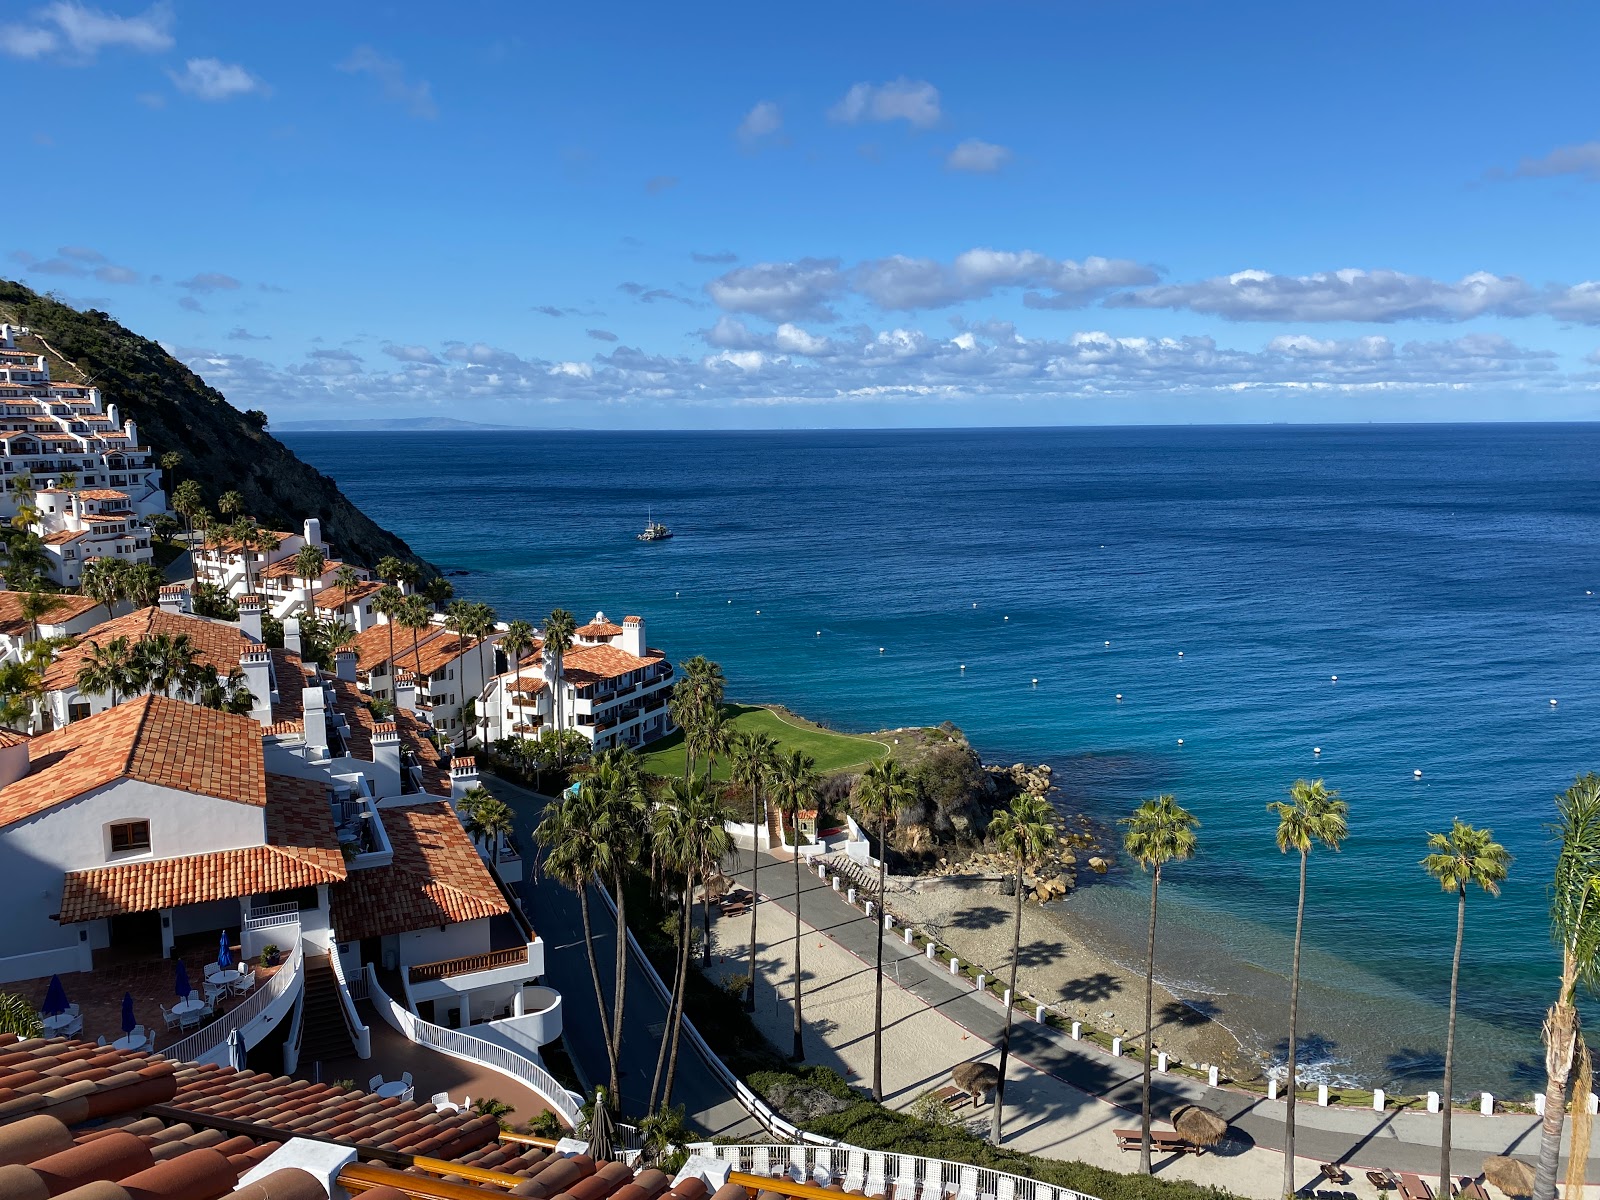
(469, 964)
(214, 1034)
(876, 1172)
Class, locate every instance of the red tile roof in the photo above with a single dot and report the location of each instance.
(437, 646)
(64, 608)
(436, 878)
(598, 628)
(334, 598)
(302, 850)
(216, 643)
(102, 494)
(595, 664)
(163, 742)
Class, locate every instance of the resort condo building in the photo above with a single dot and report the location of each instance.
(614, 688)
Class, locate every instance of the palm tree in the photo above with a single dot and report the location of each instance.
(1312, 814)
(391, 569)
(36, 604)
(19, 1017)
(755, 754)
(715, 732)
(346, 579)
(1159, 831)
(1026, 832)
(559, 628)
(458, 619)
(262, 541)
(516, 641)
(103, 581)
(141, 583)
(483, 623)
(230, 504)
(21, 689)
(795, 787)
(387, 601)
(618, 778)
(309, 563)
(884, 790)
(108, 668)
(164, 658)
(576, 853)
(231, 694)
(413, 614)
(671, 836)
(491, 819)
(169, 463)
(687, 714)
(1575, 927)
(708, 844)
(1463, 856)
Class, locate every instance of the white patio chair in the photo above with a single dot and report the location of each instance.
(405, 1078)
(75, 1010)
(245, 981)
(139, 1037)
(189, 1020)
(215, 992)
(172, 1019)
(102, 1040)
(74, 1026)
(441, 1102)
(409, 1095)
(194, 994)
(374, 1083)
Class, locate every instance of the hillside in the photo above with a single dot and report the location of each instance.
(222, 448)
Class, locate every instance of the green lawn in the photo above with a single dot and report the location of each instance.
(833, 751)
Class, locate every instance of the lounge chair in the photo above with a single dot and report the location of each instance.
(1384, 1181)
(442, 1103)
(1414, 1187)
(1469, 1188)
(1334, 1173)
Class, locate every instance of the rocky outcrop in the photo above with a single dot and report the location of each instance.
(222, 448)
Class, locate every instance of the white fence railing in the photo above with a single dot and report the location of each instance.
(753, 1104)
(473, 1049)
(360, 1035)
(875, 1172)
(270, 916)
(214, 1034)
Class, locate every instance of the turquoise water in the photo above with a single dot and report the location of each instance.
(1443, 574)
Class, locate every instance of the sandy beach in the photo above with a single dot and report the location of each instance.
(971, 915)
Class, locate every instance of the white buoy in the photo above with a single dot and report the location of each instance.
(819, 633)
(963, 666)
(1416, 774)
(677, 593)
(880, 649)
(758, 612)
(1119, 697)
(1180, 653)
(1008, 618)
(1180, 741)
(1335, 678)
(1108, 643)
(1316, 749)
(974, 604)
(1552, 704)
(1035, 683)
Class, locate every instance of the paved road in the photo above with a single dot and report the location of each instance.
(1399, 1141)
(710, 1106)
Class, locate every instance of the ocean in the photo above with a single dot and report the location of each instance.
(1017, 582)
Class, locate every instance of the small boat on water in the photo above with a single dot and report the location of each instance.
(655, 531)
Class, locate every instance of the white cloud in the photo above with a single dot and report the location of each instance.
(1581, 159)
(978, 156)
(780, 291)
(213, 79)
(76, 33)
(791, 339)
(416, 97)
(762, 121)
(1347, 295)
(210, 281)
(899, 282)
(410, 354)
(913, 101)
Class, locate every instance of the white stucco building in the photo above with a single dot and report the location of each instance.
(614, 688)
(76, 527)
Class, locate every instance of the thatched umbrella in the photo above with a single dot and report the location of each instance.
(602, 1133)
(1511, 1175)
(1199, 1125)
(975, 1078)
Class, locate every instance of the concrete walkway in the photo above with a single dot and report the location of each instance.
(710, 1106)
(1100, 1093)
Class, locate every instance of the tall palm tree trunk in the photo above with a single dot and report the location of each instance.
(1011, 993)
(1294, 1029)
(594, 974)
(393, 693)
(683, 986)
(621, 981)
(1450, 1043)
(799, 1051)
(679, 964)
(755, 895)
(705, 925)
(877, 999)
(1149, 1023)
(1560, 1050)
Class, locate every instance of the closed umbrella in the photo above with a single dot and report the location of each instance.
(55, 998)
(181, 985)
(236, 1049)
(128, 1022)
(224, 955)
(602, 1133)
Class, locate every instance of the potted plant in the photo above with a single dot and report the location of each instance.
(270, 954)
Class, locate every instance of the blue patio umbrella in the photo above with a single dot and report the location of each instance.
(224, 955)
(128, 1022)
(182, 985)
(55, 998)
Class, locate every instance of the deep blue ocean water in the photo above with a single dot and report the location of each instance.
(1443, 574)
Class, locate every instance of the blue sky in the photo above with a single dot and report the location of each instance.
(868, 214)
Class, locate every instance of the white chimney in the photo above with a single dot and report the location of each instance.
(633, 636)
(257, 666)
(344, 665)
(175, 598)
(314, 703)
(385, 760)
(113, 415)
(13, 757)
(250, 617)
(313, 531)
(405, 690)
(291, 635)
(463, 777)
(132, 430)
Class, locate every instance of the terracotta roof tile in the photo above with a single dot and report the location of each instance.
(436, 878)
(64, 608)
(595, 664)
(302, 850)
(336, 597)
(163, 742)
(216, 643)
